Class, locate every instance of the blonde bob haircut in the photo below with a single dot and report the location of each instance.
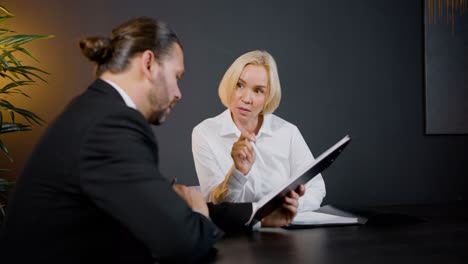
(231, 77)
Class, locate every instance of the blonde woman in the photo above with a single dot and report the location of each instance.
(245, 152)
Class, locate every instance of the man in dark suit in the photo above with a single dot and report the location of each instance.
(91, 190)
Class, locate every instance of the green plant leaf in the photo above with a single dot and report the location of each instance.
(16, 91)
(4, 103)
(10, 125)
(12, 58)
(35, 69)
(5, 182)
(5, 17)
(4, 9)
(5, 150)
(6, 76)
(5, 69)
(26, 52)
(16, 76)
(6, 30)
(5, 39)
(15, 84)
(5, 185)
(32, 38)
(4, 62)
(18, 40)
(25, 71)
(13, 127)
(29, 116)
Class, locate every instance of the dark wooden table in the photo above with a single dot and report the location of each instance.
(394, 234)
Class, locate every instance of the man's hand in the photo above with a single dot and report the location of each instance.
(243, 154)
(193, 198)
(284, 215)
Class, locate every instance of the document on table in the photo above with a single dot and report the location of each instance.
(327, 215)
(316, 218)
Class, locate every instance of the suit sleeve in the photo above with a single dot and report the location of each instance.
(231, 217)
(119, 173)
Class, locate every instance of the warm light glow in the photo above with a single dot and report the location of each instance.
(452, 8)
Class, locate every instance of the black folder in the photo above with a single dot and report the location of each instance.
(275, 199)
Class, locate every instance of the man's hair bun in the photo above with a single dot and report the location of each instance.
(97, 49)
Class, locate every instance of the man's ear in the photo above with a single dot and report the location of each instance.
(148, 64)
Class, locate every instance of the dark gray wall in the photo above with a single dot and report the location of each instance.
(446, 69)
(346, 67)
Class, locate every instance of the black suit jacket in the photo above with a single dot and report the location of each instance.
(91, 192)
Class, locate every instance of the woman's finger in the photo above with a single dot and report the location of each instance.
(301, 190)
(244, 149)
(293, 194)
(291, 210)
(251, 157)
(245, 154)
(248, 144)
(291, 201)
(248, 136)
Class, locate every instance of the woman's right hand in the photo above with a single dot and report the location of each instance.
(243, 153)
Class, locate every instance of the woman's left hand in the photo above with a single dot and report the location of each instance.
(284, 216)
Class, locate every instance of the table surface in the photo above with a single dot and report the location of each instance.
(393, 234)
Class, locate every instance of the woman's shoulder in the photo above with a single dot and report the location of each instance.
(277, 123)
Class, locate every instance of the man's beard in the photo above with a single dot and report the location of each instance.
(159, 117)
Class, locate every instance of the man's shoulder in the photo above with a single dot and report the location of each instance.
(89, 113)
(212, 123)
(97, 106)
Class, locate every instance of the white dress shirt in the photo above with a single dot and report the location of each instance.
(128, 101)
(281, 153)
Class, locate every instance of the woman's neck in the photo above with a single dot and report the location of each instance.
(249, 126)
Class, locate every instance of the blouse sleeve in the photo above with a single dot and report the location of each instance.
(217, 185)
(300, 159)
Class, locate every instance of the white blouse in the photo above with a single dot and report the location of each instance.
(281, 153)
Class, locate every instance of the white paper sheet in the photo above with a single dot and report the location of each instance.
(315, 218)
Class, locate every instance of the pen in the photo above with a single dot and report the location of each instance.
(174, 181)
(257, 152)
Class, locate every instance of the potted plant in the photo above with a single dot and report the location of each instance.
(15, 76)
